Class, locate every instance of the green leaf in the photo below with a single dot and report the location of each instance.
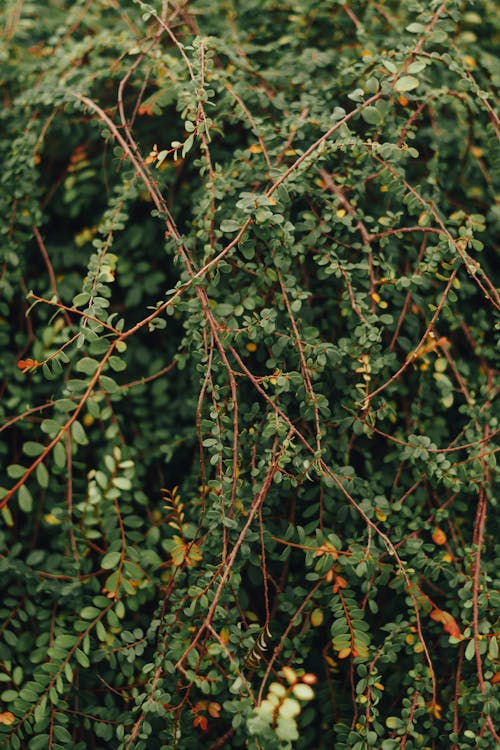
(90, 613)
(81, 299)
(406, 83)
(59, 454)
(8, 696)
(40, 742)
(417, 66)
(31, 448)
(78, 433)
(286, 729)
(289, 708)
(100, 631)
(62, 734)
(29, 695)
(470, 651)
(65, 641)
(122, 483)
(187, 145)
(82, 659)
(303, 692)
(116, 363)
(42, 475)
(224, 310)
(108, 384)
(230, 226)
(371, 115)
(161, 157)
(41, 709)
(415, 28)
(390, 66)
(68, 671)
(493, 648)
(87, 365)
(65, 405)
(25, 499)
(357, 95)
(15, 471)
(394, 722)
(111, 584)
(110, 560)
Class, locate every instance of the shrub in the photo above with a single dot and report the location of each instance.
(248, 377)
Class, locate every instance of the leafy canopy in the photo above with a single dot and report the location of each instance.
(249, 418)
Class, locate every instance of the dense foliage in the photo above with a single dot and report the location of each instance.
(248, 374)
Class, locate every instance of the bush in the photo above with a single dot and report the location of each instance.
(248, 377)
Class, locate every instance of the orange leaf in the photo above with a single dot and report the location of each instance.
(452, 628)
(202, 722)
(448, 622)
(214, 709)
(344, 652)
(430, 345)
(152, 156)
(439, 537)
(340, 583)
(327, 549)
(437, 615)
(27, 364)
(309, 678)
(7, 718)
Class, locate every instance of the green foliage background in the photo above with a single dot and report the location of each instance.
(249, 374)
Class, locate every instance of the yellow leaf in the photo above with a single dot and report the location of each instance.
(361, 650)
(317, 617)
(435, 710)
(194, 556)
